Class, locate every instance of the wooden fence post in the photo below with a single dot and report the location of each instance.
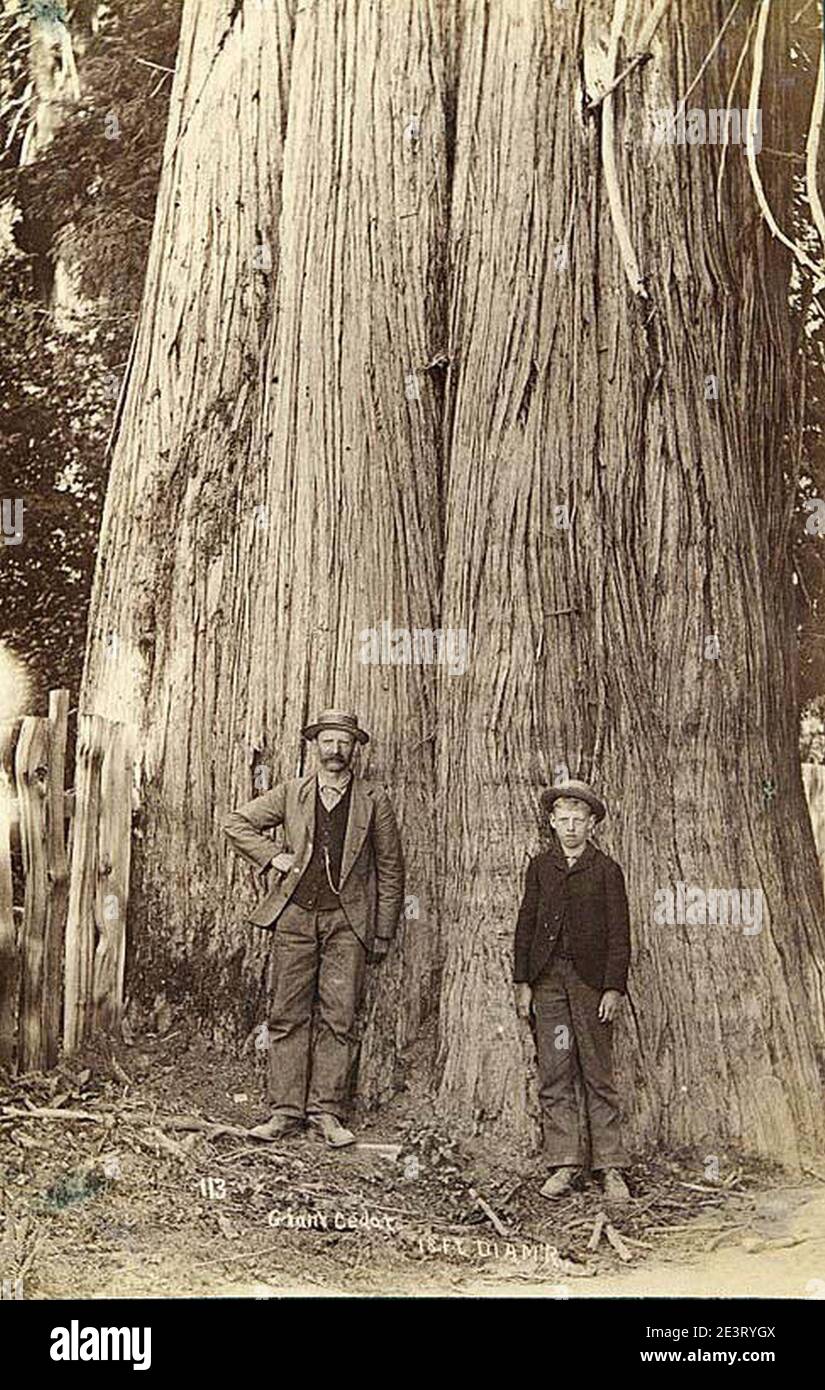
(9, 954)
(31, 768)
(58, 875)
(82, 925)
(114, 849)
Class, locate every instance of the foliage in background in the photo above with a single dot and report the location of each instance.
(96, 184)
(85, 206)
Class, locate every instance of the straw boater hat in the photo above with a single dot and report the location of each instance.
(579, 791)
(336, 719)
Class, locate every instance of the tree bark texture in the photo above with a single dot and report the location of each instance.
(590, 645)
(356, 195)
(275, 484)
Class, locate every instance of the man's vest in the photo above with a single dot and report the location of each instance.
(313, 891)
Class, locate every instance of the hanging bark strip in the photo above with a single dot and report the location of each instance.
(812, 150)
(611, 177)
(799, 252)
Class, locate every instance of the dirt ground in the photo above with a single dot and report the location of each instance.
(130, 1173)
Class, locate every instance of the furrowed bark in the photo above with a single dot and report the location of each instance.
(356, 196)
(352, 430)
(175, 604)
(590, 645)
(275, 486)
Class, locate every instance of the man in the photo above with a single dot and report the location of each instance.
(336, 903)
(572, 950)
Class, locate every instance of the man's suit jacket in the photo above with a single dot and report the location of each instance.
(372, 864)
(592, 896)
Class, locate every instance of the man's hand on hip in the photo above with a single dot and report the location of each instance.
(524, 998)
(282, 863)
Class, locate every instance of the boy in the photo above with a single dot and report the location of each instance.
(572, 950)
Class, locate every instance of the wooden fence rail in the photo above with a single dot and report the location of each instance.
(62, 952)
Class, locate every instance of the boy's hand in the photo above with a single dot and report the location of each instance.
(524, 998)
(609, 1005)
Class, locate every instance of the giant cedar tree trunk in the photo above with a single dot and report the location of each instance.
(589, 643)
(275, 484)
(276, 490)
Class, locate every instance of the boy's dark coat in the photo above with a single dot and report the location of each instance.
(592, 894)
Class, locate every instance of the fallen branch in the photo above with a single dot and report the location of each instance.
(488, 1212)
(618, 1244)
(211, 1128)
(208, 1127)
(158, 67)
(642, 1244)
(391, 1151)
(717, 1230)
(255, 1149)
(46, 1114)
(598, 1227)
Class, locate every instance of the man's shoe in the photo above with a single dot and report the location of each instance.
(559, 1182)
(330, 1129)
(614, 1186)
(276, 1128)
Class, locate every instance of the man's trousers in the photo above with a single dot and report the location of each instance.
(569, 1034)
(315, 955)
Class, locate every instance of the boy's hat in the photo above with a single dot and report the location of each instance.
(579, 791)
